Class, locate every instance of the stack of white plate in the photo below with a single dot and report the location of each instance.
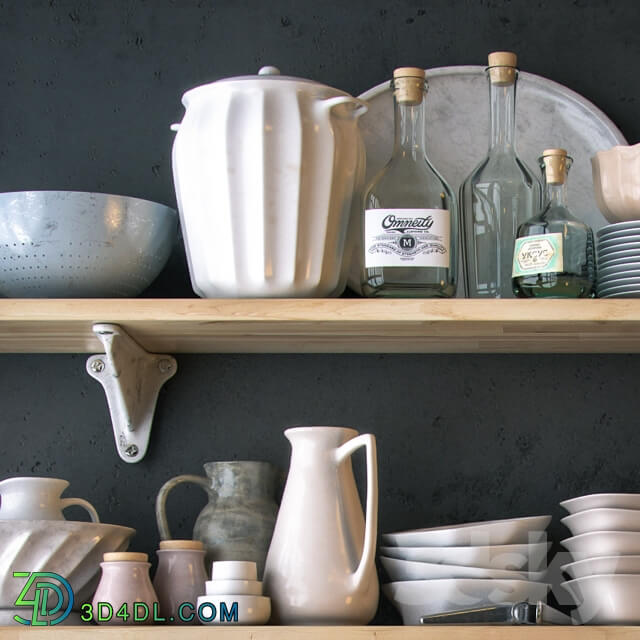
(605, 549)
(618, 256)
(456, 567)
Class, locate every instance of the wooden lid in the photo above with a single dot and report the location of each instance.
(191, 545)
(125, 556)
(503, 59)
(556, 164)
(502, 67)
(408, 72)
(554, 152)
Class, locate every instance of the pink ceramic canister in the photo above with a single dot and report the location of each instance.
(125, 594)
(180, 578)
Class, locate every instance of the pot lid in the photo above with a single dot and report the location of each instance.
(265, 74)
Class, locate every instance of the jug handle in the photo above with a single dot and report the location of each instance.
(161, 500)
(371, 519)
(87, 506)
(360, 107)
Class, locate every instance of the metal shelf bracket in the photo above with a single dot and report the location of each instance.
(131, 378)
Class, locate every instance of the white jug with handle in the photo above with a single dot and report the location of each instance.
(320, 568)
(32, 498)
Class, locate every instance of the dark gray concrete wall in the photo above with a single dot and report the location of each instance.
(89, 91)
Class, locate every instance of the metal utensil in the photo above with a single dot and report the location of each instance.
(74, 244)
(518, 613)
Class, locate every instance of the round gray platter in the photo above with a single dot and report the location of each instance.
(548, 115)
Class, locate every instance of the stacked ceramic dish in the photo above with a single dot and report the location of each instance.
(234, 595)
(605, 549)
(618, 256)
(456, 567)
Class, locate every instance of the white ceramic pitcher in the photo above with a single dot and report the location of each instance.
(320, 567)
(38, 499)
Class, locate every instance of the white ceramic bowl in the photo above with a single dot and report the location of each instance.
(602, 520)
(399, 570)
(505, 556)
(73, 550)
(491, 532)
(239, 587)
(606, 599)
(616, 182)
(419, 598)
(603, 543)
(251, 609)
(602, 501)
(234, 570)
(604, 565)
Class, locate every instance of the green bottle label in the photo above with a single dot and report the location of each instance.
(538, 254)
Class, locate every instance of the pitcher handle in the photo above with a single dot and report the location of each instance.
(371, 519)
(87, 506)
(161, 500)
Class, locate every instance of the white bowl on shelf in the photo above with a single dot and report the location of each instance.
(514, 557)
(491, 532)
(250, 609)
(602, 501)
(602, 520)
(234, 570)
(418, 598)
(238, 587)
(401, 570)
(603, 543)
(606, 599)
(604, 565)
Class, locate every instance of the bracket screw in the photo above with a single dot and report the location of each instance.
(131, 450)
(97, 366)
(165, 365)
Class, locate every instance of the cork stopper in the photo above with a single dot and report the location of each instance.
(409, 85)
(503, 67)
(556, 163)
(191, 545)
(125, 556)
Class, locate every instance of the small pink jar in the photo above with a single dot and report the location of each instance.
(180, 578)
(125, 588)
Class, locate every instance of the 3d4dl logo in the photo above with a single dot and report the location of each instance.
(48, 597)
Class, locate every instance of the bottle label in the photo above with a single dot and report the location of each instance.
(407, 238)
(538, 254)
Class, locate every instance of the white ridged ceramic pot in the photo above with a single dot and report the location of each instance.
(265, 168)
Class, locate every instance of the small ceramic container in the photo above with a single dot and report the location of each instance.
(38, 499)
(180, 578)
(616, 182)
(125, 581)
(238, 587)
(230, 609)
(234, 570)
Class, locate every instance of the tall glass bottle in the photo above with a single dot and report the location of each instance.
(410, 214)
(554, 253)
(499, 194)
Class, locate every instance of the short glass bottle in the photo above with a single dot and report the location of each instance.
(499, 194)
(410, 213)
(554, 255)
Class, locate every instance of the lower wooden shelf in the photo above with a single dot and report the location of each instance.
(322, 633)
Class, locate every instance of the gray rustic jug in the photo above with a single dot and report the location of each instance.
(238, 521)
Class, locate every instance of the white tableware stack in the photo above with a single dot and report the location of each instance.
(605, 549)
(470, 565)
(618, 256)
(234, 587)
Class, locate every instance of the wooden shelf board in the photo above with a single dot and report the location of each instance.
(90, 632)
(326, 325)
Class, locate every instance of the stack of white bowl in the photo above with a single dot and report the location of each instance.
(457, 567)
(605, 549)
(234, 583)
(618, 256)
